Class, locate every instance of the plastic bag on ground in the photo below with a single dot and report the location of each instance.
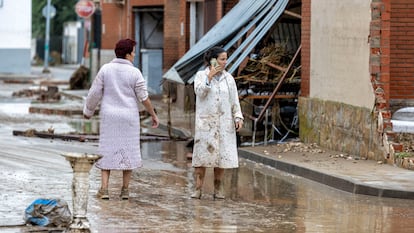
(48, 212)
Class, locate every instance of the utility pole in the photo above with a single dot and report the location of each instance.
(47, 38)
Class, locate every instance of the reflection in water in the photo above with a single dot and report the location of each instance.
(85, 126)
(260, 199)
(15, 108)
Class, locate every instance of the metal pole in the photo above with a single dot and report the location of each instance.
(266, 123)
(47, 38)
(90, 43)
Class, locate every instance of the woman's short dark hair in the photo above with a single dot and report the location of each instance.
(213, 52)
(124, 47)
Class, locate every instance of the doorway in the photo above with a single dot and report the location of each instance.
(149, 35)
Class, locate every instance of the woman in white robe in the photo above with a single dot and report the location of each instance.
(118, 87)
(218, 117)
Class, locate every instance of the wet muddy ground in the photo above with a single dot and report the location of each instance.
(259, 198)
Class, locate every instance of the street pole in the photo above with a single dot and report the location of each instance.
(47, 38)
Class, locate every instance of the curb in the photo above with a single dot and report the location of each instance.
(18, 78)
(336, 182)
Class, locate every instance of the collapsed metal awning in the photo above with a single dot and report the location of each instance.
(259, 15)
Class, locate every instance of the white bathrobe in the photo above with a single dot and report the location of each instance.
(217, 109)
(118, 86)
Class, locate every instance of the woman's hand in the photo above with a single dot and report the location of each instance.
(239, 125)
(155, 121)
(213, 71)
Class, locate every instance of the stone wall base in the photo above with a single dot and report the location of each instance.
(341, 127)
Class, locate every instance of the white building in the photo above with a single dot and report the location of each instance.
(16, 33)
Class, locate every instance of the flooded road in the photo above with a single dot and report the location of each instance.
(259, 198)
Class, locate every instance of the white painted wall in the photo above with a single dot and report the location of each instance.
(15, 39)
(340, 52)
(16, 24)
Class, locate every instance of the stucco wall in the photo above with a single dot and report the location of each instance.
(339, 69)
(335, 109)
(15, 39)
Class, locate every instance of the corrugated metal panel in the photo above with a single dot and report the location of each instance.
(233, 26)
(258, 33)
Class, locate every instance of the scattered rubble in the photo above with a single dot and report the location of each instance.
(298, 147)
(305, 149)
(79, 79)
(49, 133)
(407, 139)
(44, 94)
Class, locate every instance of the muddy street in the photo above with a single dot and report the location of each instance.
(259, 198)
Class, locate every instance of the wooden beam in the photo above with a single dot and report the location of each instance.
(283, 69)
(293, 14)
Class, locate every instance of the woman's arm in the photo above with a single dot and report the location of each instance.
(94, 96)
(202, 84)
(148, 106)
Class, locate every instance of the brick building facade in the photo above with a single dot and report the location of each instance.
(118, 20)
(355, 72)
(361, 130)
(399, 15)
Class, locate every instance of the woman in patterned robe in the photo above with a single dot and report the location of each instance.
(118, 87)
(218, 117)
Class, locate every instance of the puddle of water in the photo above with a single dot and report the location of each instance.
(258, 198)
(85, 126)
(15, 108)
(264, 199)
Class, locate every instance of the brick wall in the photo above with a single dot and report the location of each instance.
(112, 18)
(229, 4)
(172, 33)
(380, 52)
(402, 49)
(119, 23)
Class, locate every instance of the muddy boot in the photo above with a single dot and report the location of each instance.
(199, 177)
(196, 194)
(103, 194)
(124, 193)
(218, 189)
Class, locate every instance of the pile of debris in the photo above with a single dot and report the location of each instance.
(44, 94)
(264, 70)
(298, 147)
(267, 65)
(407, 139)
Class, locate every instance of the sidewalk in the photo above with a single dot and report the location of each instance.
(340, 171)
(332, 168)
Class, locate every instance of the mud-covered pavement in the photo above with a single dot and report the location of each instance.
(259, 198)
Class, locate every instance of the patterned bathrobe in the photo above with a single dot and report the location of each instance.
(217, 107)
(118, 86)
